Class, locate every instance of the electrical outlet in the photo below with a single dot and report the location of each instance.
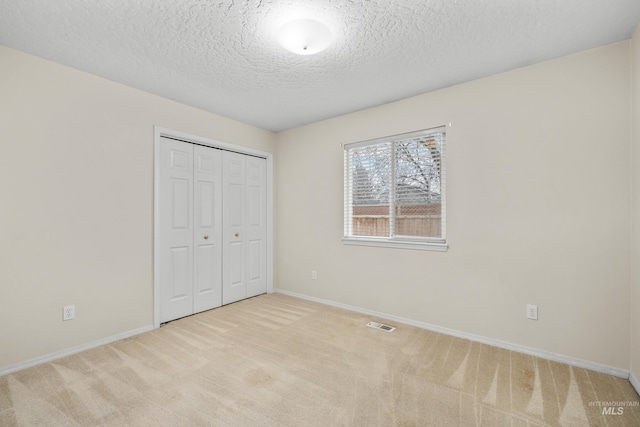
(314, 275)
(532, 312)
(68, 312)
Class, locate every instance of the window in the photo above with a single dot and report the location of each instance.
(394, 191)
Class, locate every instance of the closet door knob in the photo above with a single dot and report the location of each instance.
(206, 237)
(237, 234)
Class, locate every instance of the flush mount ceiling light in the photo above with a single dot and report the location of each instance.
(304, 36)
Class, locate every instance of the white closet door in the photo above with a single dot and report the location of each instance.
(234, 285)
(176, 229)
(212, 228)
(207, 228)
(244, 227)
(256, 230)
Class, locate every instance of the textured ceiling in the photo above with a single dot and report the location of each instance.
(222, 56)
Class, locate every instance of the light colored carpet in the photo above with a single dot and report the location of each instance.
(275, 360)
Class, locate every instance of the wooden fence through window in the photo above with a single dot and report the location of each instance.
(421, 220)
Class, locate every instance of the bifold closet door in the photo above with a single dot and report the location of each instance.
(244, 227)
(207, 272)
(190, 225)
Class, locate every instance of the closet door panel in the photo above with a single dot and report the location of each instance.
(256, 263)
(234, 286)
(208, 229)
(176, 229)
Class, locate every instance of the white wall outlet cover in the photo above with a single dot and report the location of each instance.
(68, 312)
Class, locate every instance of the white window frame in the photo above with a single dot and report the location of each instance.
(403, 242)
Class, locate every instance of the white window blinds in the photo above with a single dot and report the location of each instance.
(394, 188)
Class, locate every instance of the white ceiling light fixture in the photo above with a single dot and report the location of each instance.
(305, 36)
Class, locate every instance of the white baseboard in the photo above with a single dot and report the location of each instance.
(634, 382)
(477, 338)
(73, 350)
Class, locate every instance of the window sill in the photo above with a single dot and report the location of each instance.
(399, 244)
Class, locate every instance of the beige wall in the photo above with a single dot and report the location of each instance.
(76, 206)
(635, 287)
(538, 182)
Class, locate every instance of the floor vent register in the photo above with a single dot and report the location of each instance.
(381, 326)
